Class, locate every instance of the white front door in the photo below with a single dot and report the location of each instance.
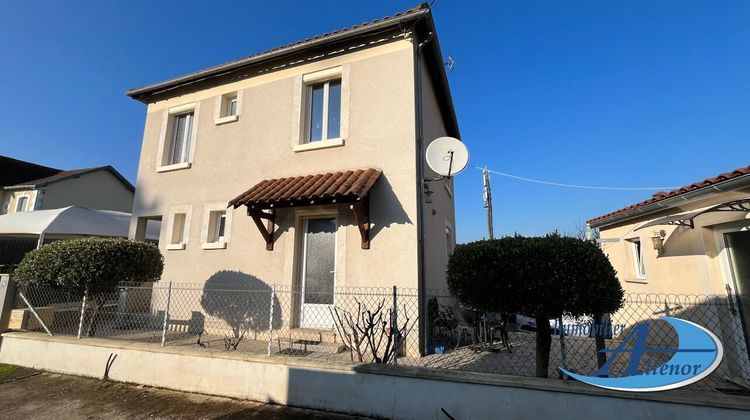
(318, 272)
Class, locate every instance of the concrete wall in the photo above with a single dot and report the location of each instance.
(382, 391)
(97, 190)
(230, 158)
(691, 261)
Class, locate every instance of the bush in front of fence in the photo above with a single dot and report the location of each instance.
(543, 277)
(93, 266)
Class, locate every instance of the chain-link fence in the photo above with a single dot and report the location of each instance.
(379, 325)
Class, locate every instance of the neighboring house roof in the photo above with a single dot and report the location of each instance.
(63, 175)
(404, 21)
(657, 201)
(17, 171)
(340, 187)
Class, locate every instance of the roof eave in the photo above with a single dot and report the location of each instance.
(141, 93)
(727, 185)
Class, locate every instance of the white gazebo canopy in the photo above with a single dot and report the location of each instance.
(71, 221)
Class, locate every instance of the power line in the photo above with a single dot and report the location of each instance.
(588, 187)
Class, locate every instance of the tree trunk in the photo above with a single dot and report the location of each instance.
(543, 344)
(97, 306)
(601, 357)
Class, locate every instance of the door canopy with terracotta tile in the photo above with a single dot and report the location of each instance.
(345, 187)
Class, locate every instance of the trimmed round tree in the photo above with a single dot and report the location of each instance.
(92, 266)
(543, 277)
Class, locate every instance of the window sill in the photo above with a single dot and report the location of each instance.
(214, 245)
(227, 119)
(641, 280)
(322, 144)
(175, 247)
(174, 167)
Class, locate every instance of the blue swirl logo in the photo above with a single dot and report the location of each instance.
(698, 353)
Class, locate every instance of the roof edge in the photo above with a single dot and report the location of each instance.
(670, 202)
(410, 15)
(108, 168)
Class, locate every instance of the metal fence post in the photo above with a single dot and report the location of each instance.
(394, 325)
(83, 313)
(270, 320)
(166, 316)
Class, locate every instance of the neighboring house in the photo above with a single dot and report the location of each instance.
(311, 152)
(25, 186)
(694, 240)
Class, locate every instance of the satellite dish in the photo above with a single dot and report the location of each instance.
(447, 156)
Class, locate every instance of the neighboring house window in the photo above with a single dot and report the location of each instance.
(21, 203)
(640, 268)
(179, 148)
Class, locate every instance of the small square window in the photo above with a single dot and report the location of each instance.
(178, 229)
(323, 117)
(230, 105)
(217, 226)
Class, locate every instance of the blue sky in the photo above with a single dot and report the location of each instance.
(615, 93)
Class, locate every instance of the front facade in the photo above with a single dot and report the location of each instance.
(27, 187)
(319, 148)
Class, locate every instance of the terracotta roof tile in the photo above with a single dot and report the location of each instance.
(663, 195)
(341, 187)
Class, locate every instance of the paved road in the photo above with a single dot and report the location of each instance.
(26, 394)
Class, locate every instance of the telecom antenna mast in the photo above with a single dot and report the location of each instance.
(488, 201)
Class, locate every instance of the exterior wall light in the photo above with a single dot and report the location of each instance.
(658, 240)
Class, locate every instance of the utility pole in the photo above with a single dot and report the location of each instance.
(488, 201)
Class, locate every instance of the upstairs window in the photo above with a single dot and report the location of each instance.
(179, 147)
(323, 120)
(230, 106)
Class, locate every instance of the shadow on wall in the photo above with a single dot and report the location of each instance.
(241, 300)
(385, 208)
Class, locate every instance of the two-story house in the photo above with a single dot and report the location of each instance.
(26, 186)
(304, 165)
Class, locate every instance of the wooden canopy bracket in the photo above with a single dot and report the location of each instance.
(267, 229)
(361, 210)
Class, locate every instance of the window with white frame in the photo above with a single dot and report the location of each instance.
(230, 105)
(639, 267)
(323, 115)
(22, 203)
(448, 242)
(178, 229)
(217, 226)
(180, 138)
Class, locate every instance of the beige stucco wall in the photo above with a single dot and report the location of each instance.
(440, 214)
(230, 158)
(10, 198)
(97, 190)
(691, 261)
